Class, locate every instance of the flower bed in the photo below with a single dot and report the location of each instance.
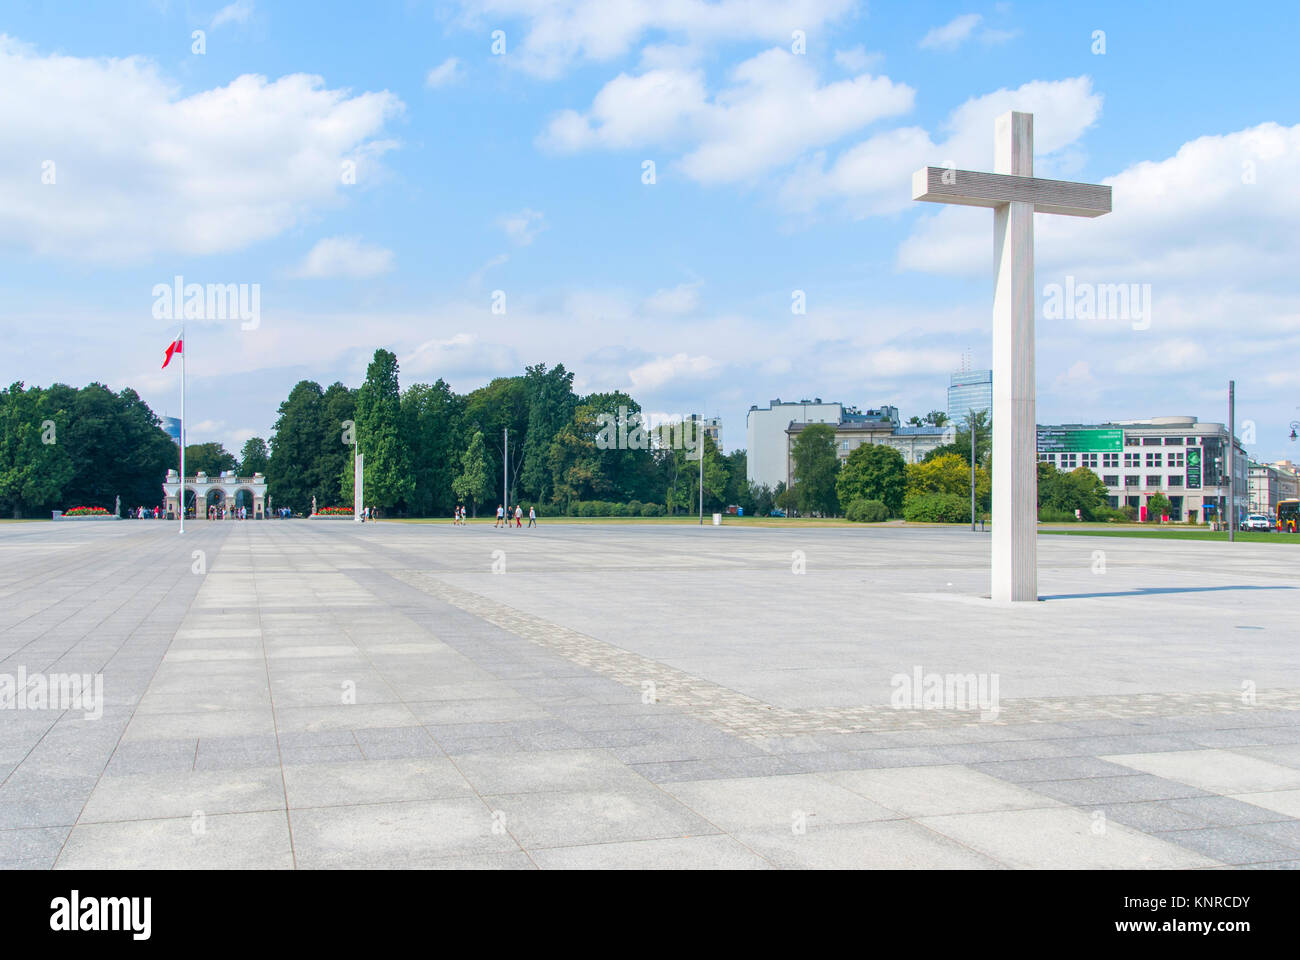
(334, 512)
(86, 513)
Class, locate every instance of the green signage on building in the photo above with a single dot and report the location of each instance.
(1193, 468)
(1080, 441)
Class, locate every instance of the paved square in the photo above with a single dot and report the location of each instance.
(329, 694)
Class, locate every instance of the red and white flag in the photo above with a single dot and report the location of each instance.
(172, 348)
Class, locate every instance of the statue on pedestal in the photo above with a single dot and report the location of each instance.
(313, 506)
(117, 506)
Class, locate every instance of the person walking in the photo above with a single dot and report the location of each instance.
(532, 516)
(519, 516)
(501, 512)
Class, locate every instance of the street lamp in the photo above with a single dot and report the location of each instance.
(1295, 425)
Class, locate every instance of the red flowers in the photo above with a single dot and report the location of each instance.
(86, 512)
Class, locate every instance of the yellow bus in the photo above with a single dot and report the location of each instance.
(1288, 515)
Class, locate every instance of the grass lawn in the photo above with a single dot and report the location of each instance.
(1170, 533)
(680, 519)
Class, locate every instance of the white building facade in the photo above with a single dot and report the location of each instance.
(878, 427)
(1180, 457)
(766, 442)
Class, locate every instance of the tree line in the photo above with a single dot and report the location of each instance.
(427, 449)
(874, 483)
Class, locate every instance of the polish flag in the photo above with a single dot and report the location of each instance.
(172, 348)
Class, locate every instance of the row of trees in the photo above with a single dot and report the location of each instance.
(427, 448)
(63, 446)
(936, 489)
(875, 483)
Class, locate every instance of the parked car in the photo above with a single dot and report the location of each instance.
(1257, 521)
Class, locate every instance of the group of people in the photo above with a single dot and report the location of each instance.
(145, 513)
(227, 512)
(503, 516)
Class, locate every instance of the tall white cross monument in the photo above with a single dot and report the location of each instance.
(1015, 195)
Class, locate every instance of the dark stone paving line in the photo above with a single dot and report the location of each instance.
(658, 741)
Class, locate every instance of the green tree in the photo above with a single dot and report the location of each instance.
(577, 470)
(503, 403)
(551, 404)
(34, 467)
(947, 475)
(738, 481)
(380, 436)
(431, 415)
(716, 475)
(1158, 506)
(961, 439)
(474, 486)
(873, 472)
(1080, 489)
(296, 447)
(254, 458)
(116, 445)
(211, 458)
(335, 429)
(816, 468)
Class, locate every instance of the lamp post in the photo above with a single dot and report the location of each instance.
(970, 421)
(1232, 460)
(699, 437)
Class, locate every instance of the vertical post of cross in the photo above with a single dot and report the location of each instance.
(1015, 432)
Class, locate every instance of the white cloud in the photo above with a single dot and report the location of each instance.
(874, 177)
(523, 227)
(1189, 218)
(773, 111)
(856, 59)
(345, 257)
(237, 12)
(677, 300)
(560, 33)
(460, 353)
(656, 107)
(952, 34)
(447, 72)
(662, 370)
(957, 31)
(140, 169)
(476, 277)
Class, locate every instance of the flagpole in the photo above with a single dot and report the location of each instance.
(183, 352)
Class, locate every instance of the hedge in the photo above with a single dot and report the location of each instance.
(936, 508)
(867, 511)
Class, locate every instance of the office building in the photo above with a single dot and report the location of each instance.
(970, 390)
(1182, 458)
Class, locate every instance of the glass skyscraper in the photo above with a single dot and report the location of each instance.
(972, 390)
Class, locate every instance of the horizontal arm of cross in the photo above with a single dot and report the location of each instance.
(973, 189)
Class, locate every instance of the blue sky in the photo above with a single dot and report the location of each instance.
(522, 172)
